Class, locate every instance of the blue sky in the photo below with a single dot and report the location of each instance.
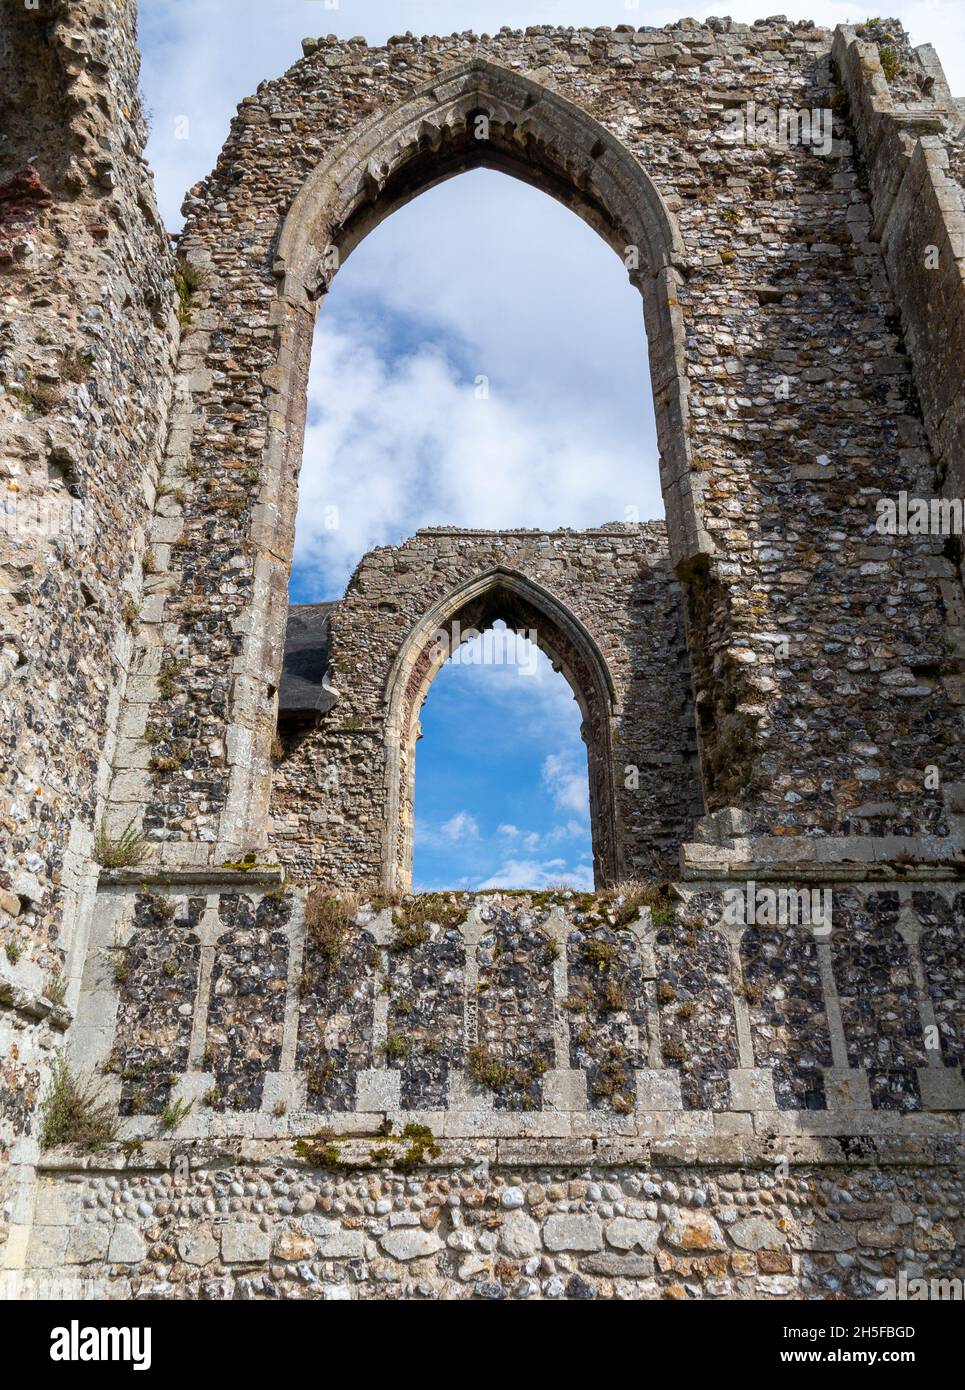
(482, 277)
(501, 785)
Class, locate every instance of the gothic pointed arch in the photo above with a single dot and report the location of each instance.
(484, 116)
(477, 114)
(528, 608)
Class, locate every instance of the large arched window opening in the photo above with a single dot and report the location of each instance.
(479, 362)
(486, 117)
(481, 117)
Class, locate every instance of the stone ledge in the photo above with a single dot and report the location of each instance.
(171, 876)
(831, 859)
(514, 1152)
(32, 1005)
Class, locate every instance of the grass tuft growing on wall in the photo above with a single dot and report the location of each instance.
(188, 280)
(126, 851)
(74, 1113)
(330, 917)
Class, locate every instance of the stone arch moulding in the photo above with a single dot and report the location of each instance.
(535, 135)
(524, 605)
(542, 138)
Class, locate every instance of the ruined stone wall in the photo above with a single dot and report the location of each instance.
(915, 161)
(547, 1095)
(551, 1014)
(786, 408)
(751, 1082)
(89, 335)
(333, 780)
(500, 1220)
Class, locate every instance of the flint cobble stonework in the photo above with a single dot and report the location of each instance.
(465, 1228)
(508, 1095)
(556, 1014)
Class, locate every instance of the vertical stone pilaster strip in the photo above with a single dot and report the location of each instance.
(832, 1006)
(909, 929)
(473, 929)
(296, 962)
(742, 1016)
(381, 929)
(556, 930)
(208, 931)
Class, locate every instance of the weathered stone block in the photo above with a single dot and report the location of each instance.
(244, 1242)
(626, 1234)
(573, 1232)
(127, 1245)
(694, 1233)
(410, 1244)
(752, 1088)
(941, 1088)
(756, 1233)
(199, 1247)
(658, 1090)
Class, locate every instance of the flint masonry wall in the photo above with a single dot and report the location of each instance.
(89, 336)
(795, 363)
(786, 405)
(606, 1016)
(621, 1221)
(530, 1096)
(916, 177)
(604, 604)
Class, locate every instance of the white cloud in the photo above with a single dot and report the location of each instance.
(461, 826)
(566, 783)
(540, 873)
(570, 830)
(511, 831)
